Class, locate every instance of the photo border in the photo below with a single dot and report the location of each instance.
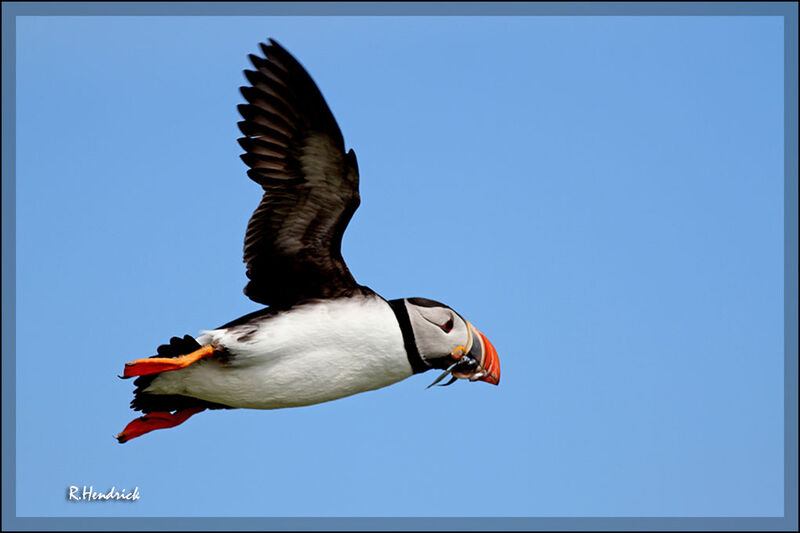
(12, 10)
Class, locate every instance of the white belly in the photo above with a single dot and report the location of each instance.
(311, 354)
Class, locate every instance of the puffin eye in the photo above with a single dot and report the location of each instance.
(447, 327)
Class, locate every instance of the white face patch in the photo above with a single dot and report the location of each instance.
(431, 325)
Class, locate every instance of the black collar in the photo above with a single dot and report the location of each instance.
(412, 352)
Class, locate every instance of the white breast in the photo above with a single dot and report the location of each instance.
(313, 353)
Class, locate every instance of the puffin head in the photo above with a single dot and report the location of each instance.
(447, 341)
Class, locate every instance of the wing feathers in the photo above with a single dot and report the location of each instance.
(295, 151)
(262, 147)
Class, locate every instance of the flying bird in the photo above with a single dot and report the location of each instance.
(321, 336)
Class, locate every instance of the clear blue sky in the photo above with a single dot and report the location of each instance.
(602, 197)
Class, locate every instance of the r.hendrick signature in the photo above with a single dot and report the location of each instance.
(88, 494)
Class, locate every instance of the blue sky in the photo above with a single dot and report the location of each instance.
(601, 196)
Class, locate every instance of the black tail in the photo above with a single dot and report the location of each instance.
(150, 403)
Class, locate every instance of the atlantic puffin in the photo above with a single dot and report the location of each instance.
(321, 336)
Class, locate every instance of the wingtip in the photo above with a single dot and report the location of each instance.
(274, 50)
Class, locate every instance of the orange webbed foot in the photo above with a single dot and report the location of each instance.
(155, 365)
(156, 420)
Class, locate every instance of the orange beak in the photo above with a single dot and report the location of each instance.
(489, 360)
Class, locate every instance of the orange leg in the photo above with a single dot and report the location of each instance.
(158, 420)
(154, 365)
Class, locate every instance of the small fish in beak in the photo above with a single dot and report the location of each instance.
(465, 361)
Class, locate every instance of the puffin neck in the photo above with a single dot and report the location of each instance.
(416, 361)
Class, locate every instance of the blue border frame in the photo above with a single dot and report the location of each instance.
(788, 10)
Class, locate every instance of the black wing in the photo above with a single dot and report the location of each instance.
(295, 151)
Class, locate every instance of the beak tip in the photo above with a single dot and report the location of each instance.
(492, 378)
(490, 361)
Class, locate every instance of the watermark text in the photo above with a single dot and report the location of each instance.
(88, 494)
